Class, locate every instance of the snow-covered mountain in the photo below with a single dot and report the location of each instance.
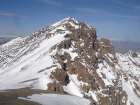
(67, 58)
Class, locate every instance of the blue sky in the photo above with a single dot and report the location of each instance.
(116, 19)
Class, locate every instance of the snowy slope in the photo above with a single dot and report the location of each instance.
(54, 99)
(130, 66)
(25, 65)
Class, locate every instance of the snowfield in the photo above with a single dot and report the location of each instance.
(27, 67)
(55, 99)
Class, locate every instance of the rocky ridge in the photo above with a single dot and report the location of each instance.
(66, 57)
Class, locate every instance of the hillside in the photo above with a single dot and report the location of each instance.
(66, 58)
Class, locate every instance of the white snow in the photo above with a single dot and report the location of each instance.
(55, 99)
(131, 95)
(41, 83)
(65, 21)
(74, 86)
(71, 88)
(32, 63)
(129, 68)
(94, 96)
(73, 55)
(107, 71)
(12, 41)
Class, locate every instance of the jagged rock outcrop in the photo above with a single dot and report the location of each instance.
(89, 52)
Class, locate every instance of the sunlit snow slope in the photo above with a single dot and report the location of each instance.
(22, 58)
(54, 99)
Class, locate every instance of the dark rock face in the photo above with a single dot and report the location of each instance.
(134, 55)
(107, 49)
(106, 46)
(61, 76)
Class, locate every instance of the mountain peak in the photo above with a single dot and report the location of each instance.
(71, 21)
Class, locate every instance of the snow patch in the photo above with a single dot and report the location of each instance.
(55, 99)
(41, 83)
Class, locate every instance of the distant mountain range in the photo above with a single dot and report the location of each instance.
(125, 46)
(6, 38)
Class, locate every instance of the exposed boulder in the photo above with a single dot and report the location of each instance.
(106, 46)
